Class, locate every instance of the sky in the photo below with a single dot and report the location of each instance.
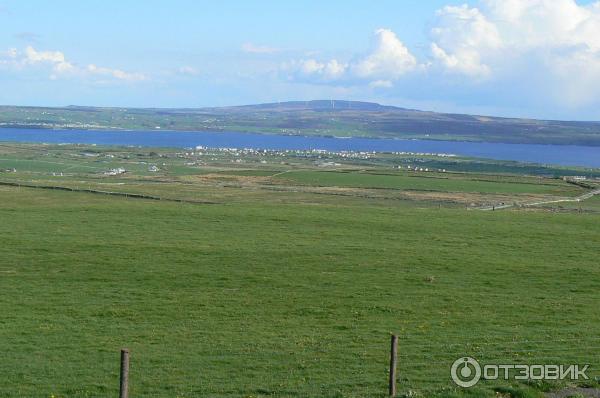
(522, 58)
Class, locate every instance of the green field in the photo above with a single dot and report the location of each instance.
(590, 205)
(279, 290)
(428, 183)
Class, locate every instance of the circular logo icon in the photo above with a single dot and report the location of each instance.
(465, 372)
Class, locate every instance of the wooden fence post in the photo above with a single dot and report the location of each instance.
(393, 364)
(123, 391)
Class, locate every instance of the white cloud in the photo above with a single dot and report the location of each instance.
(188, 70)
(462, 38)
(33, 56)
(389, 59)
(8, 57)
(535, 23)
(462, 61)
(115, 73)
(554, 42)
(576, 77)
(258, 49)
(312, 69)
(60, 66)
(381, 84)
(54, 58)
(547, 50)
(334, 69)
(311, 66)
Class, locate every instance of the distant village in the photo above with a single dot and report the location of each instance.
(422, 162)
(323, 158)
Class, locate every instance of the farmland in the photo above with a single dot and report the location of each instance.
(284, 275)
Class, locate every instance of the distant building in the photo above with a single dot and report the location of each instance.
(328, 164)
(114, 172)
(575, 178)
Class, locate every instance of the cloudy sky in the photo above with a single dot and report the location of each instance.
(528, 58)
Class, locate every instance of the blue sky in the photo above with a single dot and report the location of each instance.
(530, 58)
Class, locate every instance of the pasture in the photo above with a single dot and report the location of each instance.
(432, 182)
(282, 300)
(283, 287)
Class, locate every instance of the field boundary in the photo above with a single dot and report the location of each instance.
(109, 193)
(577, 199)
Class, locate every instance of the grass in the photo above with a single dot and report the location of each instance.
(288, 285)
(592, 204)
(420, 181)
(283, 299)
(215, 175)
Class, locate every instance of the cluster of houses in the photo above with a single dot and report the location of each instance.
(322, 157)
(574, 178)
(315, 153)
(239, 152)
(115, 172)
(51, 125)
(120, 170)
(440, 155)
(424, 169)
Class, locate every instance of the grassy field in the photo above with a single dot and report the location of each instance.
(590, 205)
(215, 175)
(287, 293)
(429, 183)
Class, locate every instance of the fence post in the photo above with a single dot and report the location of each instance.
(393, 365)
(123, 391)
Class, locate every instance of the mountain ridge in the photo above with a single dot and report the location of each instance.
(317, 117)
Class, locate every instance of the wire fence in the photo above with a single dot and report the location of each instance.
(421, 366)
(358, 369)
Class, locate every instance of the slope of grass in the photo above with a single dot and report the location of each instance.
(289, 300)
(421, 181)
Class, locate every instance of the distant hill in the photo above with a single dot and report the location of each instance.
(321, 117)
(320, 105)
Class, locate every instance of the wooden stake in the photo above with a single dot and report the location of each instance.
(123, 392)
(393, 364)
